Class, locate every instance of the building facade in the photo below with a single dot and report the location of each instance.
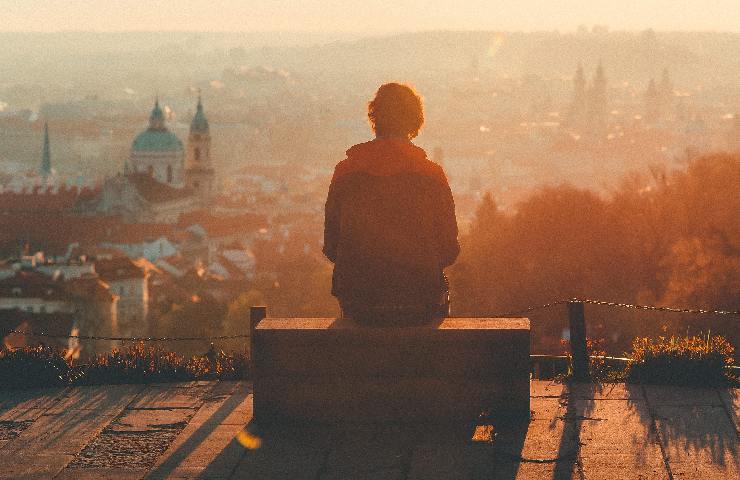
(129, 283)
(157, 185)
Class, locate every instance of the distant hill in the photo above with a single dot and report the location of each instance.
(635, 56)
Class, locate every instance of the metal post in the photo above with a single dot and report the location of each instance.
(578, 350)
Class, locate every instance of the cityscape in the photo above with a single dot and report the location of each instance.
(179, 191)
(324, 240)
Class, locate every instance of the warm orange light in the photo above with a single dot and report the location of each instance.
(249, 441)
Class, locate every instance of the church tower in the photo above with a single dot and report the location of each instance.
(597, 98)
(199, 172)
(652, 103)
(579, 104)
(45, 170)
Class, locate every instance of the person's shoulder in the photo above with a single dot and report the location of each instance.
(434, 171)
(341, 169)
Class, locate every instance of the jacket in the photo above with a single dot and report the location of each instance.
(389, 225)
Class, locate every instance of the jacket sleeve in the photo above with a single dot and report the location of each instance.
(331, 221)
(447, 224)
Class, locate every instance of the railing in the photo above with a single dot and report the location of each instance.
(576, 317)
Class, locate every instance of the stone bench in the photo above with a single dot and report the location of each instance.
(326, 369)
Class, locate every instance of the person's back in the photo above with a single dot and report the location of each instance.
(390, 223)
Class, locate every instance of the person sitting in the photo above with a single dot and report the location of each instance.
(390, 226)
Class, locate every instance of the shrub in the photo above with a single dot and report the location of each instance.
(697, 360)
(599, 368)
(135, 363)
(30, 367)
(139, 363)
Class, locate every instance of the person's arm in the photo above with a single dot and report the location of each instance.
(331, 221)
(447, 223)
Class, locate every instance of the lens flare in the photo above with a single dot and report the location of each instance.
(248, 440)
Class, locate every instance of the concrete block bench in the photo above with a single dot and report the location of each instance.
(326, 369)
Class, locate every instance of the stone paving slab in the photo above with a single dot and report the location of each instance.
(95, 398)
(617, 441)
(172, 396)
(604, 391)
(546, 389)
(101, 474)
(731, 400)
(207, 446)
(32, 466)
(577, 431)
(681, 396)
(699, 441)
(24, 405)
(151, 420)
(456, 461)
(59, 434)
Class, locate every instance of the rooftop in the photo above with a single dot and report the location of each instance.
(154, 191)
(205, 430)
(119, 268)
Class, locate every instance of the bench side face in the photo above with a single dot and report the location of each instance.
(321, 372)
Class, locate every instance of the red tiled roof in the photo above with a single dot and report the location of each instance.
(41, 199)
(154, 191)
(216, 226)
(32, 284)
(89, 287)
(53, 233)
(121, 268)
(233, 271)
(128, 233)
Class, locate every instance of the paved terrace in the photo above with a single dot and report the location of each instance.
(189, 430)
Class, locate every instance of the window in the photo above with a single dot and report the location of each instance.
(42, 309)
(150, 170)
(169, 173)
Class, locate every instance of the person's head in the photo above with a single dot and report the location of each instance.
(396, 111)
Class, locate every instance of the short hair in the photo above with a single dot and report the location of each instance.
(396, 110)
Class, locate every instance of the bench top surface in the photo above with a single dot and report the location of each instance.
(443, 324)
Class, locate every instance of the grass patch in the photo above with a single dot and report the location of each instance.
(700, 360)
(31, 367)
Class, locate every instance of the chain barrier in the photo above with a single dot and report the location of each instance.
(126, 339)
(695, 311)
(530, 309)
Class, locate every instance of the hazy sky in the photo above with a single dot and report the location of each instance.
(365, 16)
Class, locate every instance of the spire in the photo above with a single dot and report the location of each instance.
(46, 154)
(599, 77)
(665, 83)
(580, 79)
(156, 119)
(597, 98)
(200, 122)
(578, 103)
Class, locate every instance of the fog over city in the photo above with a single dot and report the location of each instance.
(593, 122)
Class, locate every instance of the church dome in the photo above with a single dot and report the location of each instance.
(156, 141)
(157, 138)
